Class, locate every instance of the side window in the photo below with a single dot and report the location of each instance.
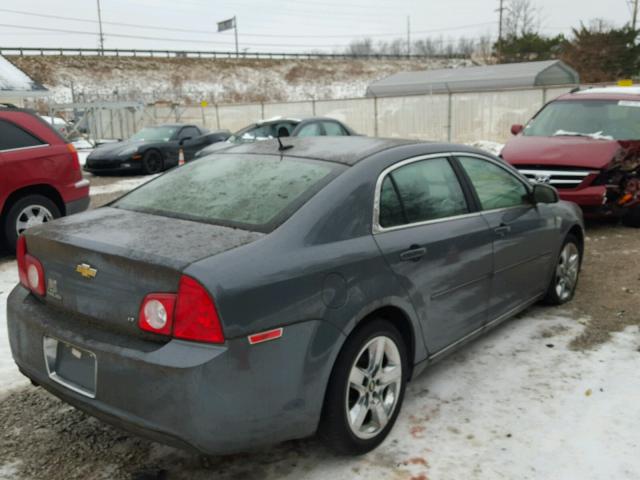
(333, 129)
(427, 190)
(12, 136)
(311, 130)
(391, 211)
(495, 186)
(189, 132)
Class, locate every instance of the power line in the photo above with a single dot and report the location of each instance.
(265, 35)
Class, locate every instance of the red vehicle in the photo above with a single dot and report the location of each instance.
(586, 144)
(40, 175)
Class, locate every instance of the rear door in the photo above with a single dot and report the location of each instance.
(523, 234)
(440, 249)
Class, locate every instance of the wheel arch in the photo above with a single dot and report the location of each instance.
(400, 319)
(577, 231)
(37, 189)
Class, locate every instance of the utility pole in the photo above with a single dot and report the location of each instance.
(408, 35)
(635, 14)
(235, 29)
(500, 14)
(100, 27)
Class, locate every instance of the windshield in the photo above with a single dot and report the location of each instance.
(263, 132)
(605, 120)
(253, 192)
(155, 134)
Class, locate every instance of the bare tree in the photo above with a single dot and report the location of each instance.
(361, 47)
(522, 17)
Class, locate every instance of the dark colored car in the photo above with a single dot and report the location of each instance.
(152, 149)
(587, 145)
(269, 294)
(40, 176)
(283, 127)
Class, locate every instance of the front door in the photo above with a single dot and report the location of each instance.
(523, 237)
(439, 249)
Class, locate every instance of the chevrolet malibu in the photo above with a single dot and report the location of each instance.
(279, 291)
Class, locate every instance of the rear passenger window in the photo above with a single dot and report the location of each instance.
(311, 130)
(426, 190)
(12, 136)
(333, 129)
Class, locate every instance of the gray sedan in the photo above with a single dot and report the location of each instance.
(275, 292)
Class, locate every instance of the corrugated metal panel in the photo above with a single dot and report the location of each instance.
(419, 117)
(489, 115)
(358, 113)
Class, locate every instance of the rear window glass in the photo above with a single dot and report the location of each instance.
(253, 192)
(12, 137)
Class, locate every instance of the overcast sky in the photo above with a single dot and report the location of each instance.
(278, 26)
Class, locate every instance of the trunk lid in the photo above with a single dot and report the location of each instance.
(101, 264)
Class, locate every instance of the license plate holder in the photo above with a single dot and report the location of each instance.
(73, 367)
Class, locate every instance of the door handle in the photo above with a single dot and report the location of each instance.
(414, 253)
(502, 230)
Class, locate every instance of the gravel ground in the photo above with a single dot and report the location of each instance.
(461, 419)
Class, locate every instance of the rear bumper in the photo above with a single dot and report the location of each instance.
(215, 399)
(77, 206)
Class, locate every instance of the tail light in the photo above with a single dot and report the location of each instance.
(30, 269)
(74, 156)
(189, 315)
(156, 313)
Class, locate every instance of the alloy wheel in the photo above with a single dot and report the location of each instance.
(32, 216)
(374, 387)
(567, 271)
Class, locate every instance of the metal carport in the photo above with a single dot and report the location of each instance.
(475, 79)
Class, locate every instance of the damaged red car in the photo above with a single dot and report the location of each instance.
(586, 144)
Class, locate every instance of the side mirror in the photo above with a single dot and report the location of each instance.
(183, 140)
(516, 128)
(543, 193)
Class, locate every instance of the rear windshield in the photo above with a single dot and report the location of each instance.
(253, 192)
(599, 119)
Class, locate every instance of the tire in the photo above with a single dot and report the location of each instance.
(152, 162)
(566, 273)
(376, 402)
(27, 212)
(632, 218)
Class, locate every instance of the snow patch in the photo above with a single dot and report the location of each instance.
(10, 377)
(12, 78)
(488, 146)
(121, 185)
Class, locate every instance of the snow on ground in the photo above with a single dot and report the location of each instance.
(123, 185)
(488, 146)
(9, 375)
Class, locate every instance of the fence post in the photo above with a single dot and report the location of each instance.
(544, 96)
(449, 115)
(313, 107)
(262, 110)
(375, 116)
(217, 117)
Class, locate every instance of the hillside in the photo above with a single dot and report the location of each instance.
(190, 80)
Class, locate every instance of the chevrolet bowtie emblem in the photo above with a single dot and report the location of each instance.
(86, 270)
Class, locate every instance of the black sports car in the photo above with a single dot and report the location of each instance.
(152, 149)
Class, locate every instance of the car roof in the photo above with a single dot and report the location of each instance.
(347, 150)
(603, 93)
(294, 118)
